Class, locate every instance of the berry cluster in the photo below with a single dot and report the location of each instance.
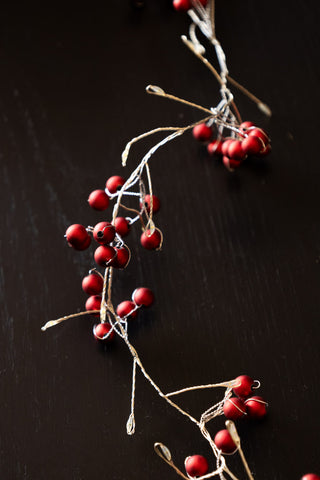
(248, 140)
(234, 408)
(113, 252)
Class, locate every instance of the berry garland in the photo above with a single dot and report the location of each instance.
(234, 141)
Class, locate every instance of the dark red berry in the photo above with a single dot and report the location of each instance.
(94, 303)
(155, 203)
(265, 151)
(115, 183)
(230, 163)
(101, 330)
(243, 387)
(127, 308)
(224, 442)
(310, 476)
(105, 255)
(235, 150)
(256, 407)
(252, 145)
(151, 241)
(215, 147)
(234, 408)
(123, 257)
(92, 284)
(99, 200)
(225, 146)
(182, 5)
(122, 226)
(78, 237)
(258, 132)
(196, 465)
(244, 126)
(143, 296)
(202, 132)
(104, 232)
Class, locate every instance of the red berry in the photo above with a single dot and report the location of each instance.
(243, 386)
(256, 407)
(151, 241)
(78, 237)
(182, 5)
(115, 183)
(196, 465)
(101, 330)
(202, 132)
(94, 303)
(155, 203)
(235, 150)
(258, 132)
(215, 147)
(143, 296)
(225, 146)
(234, 408)
(122, 226)
(124, 309)
(92, 284)
(245, 125)
(104, 232)
(230, 163)
(105, 255)
(252, 145)
(123, 257)
(99, 200)
(310, 476)
(224, 442)
(265, 151)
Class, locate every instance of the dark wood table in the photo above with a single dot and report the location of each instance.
(237, 280)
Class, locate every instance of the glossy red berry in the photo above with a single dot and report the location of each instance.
(78, 237)
(215, 147)
(122, 226)
(104, 232)
(310, 476)
(230, 163)
(143, 296)
(246, 125)
(115, 183)
(243, 386)
(225, 146)
(105, 255)
(196, 465)
(256, 407)
(235, 150)
(182, 5)
(224, 442)
(252, 145)
(127, 308)
(123, 257)
(94, 303)
(92, 284)
(202, 132)
(234, 408)
(258, 132)
(155, 203)
(151, 241)
(101, 330)
(99, 200)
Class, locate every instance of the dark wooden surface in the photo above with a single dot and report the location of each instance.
(237, 281)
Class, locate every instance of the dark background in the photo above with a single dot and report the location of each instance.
(237, 281)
